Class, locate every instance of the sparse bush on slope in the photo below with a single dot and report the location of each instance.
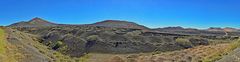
(93, 38)
(219, 54)
(58, 45)
(2, 41)
(184, 42)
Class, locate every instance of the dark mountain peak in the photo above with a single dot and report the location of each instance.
(215, 29)
(35, 22)
(115, 21)
(38, 20)
(112, 21)
(178, 27)
(119, 24)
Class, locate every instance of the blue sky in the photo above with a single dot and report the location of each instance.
(151, 13)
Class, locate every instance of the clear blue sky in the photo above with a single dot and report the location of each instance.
(151, 13)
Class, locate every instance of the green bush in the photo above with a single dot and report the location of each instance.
(93, 38)
(58, 45)
(184, 42)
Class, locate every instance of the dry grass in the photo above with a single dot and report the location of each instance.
(85, 58)
(183, 41)
(2, 42)
(2, 45)
(219, 53)
(196, 54)
(7, 53)
(116, 59)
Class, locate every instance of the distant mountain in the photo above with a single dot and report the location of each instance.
(176, 29)
(35, 22)
(191, 31)
(230, 29)
(38, 22)
(119, 24)
(227, 29)
(214, 29)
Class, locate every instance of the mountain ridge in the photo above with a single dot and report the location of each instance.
(38, 22)
(109, 23)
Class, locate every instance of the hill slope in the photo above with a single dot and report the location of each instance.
(16, 46)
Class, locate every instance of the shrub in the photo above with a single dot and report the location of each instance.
(184, 42)
(58, 45)
(93, 38)
(84, 58)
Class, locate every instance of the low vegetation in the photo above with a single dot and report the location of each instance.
(2, 41)
(2, 44)
(184, 42)
(219, 54)
(85, 58)
(7, 52)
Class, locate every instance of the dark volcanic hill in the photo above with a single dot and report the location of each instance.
(35, 22)
(38, 22)
(119, 24)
